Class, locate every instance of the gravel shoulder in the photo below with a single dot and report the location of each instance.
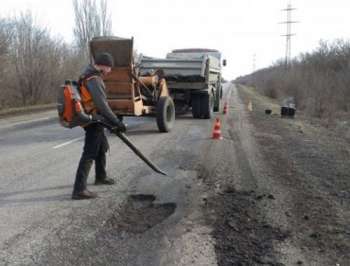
(279, 191)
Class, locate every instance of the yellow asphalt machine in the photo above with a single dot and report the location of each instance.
(129, 94)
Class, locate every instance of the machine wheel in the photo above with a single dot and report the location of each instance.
(207, 105)
(196, 105)
(165, 114)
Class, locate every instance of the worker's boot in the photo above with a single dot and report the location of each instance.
(83, 194)
(104, 181)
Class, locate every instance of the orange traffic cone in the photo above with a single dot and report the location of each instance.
(225, 109)
(217, 130)
(250, 106)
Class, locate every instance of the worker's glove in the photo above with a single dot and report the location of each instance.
(119, 127)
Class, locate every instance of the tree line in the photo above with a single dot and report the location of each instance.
(318, 82)
(34, 63)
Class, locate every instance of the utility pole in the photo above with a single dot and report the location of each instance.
(289, 34)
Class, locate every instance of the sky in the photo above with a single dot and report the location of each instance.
(247, 32)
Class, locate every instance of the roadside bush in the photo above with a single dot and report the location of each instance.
(33, 63)
(318, 82)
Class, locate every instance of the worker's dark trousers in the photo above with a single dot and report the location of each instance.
(95, 149)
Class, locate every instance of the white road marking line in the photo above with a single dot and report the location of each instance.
(67, 143)
(28, 121)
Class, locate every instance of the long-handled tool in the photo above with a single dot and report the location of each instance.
(138, 153)
(132, 147)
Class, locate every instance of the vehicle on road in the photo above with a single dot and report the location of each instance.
(193, 77)
(187, 79)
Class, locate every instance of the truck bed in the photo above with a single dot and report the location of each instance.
(189, 69)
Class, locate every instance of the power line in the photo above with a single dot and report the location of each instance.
(289, 34)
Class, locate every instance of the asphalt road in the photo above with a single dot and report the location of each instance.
(142, 220)
(274, 191)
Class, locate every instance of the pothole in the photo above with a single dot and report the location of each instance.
(139, 214)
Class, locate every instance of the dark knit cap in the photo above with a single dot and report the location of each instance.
(104, 59)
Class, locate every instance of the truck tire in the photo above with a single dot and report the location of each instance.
(165, 114)
(207, 105)
(196, 105)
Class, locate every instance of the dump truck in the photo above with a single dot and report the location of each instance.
(193, 77)
(128, 93)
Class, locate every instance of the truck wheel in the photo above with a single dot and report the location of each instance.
(207, 105)
(196, 105)
(165, 114)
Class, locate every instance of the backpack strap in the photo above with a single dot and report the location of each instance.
(81, 81)
(84, 78)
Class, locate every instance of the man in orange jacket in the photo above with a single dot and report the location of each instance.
(95, 144)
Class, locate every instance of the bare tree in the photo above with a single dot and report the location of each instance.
(29, 54)
(106, 21)
(91, 20)
(3, 37)
(57, 64)
(33, 64)
(37, 62)
(5, 88)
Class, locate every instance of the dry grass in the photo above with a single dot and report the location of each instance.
(27, 109)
